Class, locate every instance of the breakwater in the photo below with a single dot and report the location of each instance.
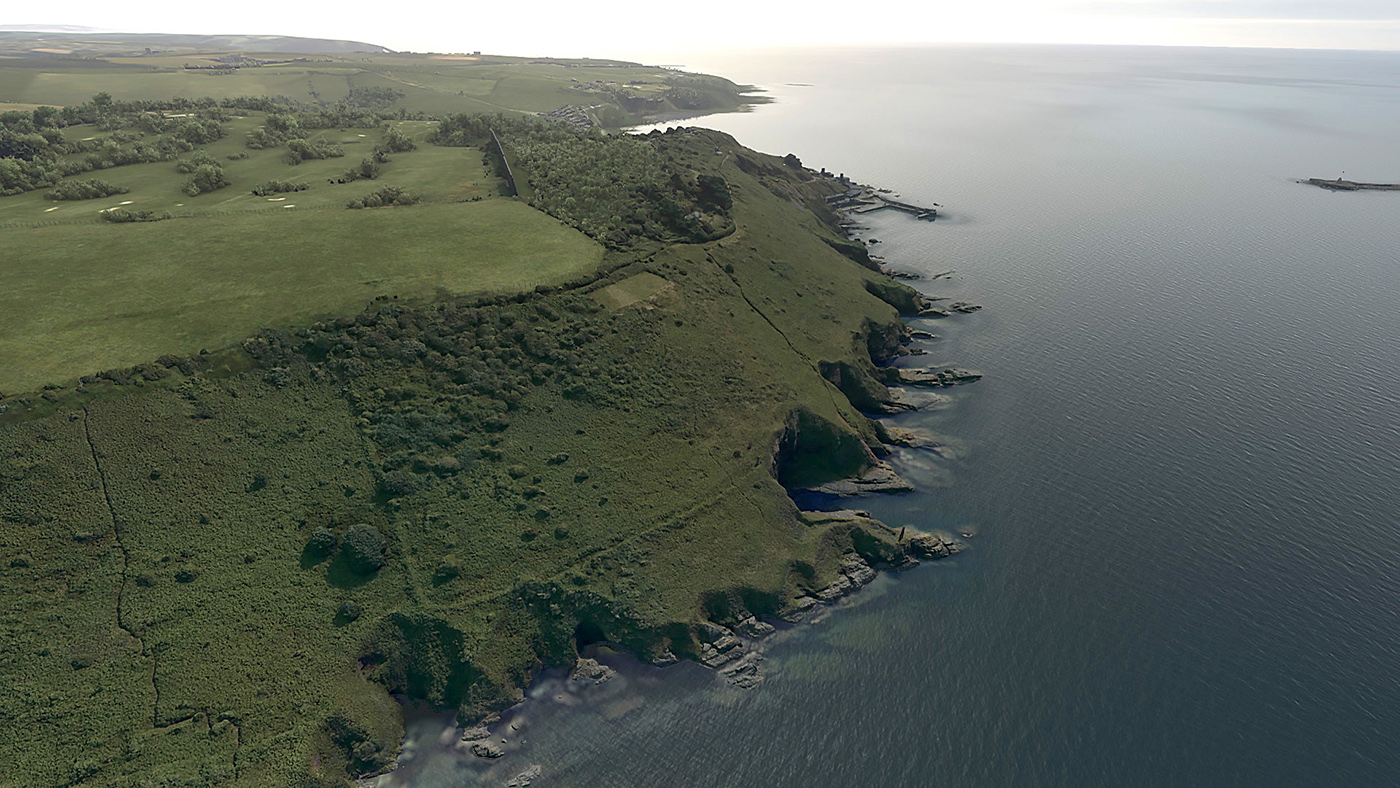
(1340, 185)
(863, 200)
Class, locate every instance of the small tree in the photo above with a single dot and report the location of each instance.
(363, 546)
(206, 178)
(322, 541)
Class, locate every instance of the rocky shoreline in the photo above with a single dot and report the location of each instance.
(735, 651)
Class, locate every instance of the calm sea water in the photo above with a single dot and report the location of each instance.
(1182, 469)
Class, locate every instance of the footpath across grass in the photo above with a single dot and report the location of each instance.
(83, 298)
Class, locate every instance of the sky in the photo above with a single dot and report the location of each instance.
(612, 28)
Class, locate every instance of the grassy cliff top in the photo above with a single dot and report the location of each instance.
(215, 568)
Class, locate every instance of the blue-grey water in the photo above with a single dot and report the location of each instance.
(1182, 471)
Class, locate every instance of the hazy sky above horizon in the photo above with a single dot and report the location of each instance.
(569, 28)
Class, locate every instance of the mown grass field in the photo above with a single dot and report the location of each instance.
(435, 173)
(82, 298)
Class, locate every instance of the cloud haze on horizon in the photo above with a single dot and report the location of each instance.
(572, 29)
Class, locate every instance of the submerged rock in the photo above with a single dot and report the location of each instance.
(526, 777)
(894, 406)
(591, 670)
(881, 478)
(751, 627)
(712, 657)
(911, 439)
(486, 749)
(475, 733)
(744, 673)
(801, 606)
(937, 378)
(903, 563)
(930, 546)
(964, 307)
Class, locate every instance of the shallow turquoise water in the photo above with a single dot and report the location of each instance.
(1181, 469)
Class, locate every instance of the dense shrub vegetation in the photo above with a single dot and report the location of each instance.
(34, 153)
(616, 188)
(363, 546)
(205, 178)
(396, 141)
(279, 187)
(88, 189)
(300, 150)
(389, 195)
(126, 216)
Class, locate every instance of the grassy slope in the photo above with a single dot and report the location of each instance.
(629, 511)
(85, 295)
(80, 299)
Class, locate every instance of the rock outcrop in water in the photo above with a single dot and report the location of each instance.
(880, 478)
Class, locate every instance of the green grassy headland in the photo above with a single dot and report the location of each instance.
(58, 71)
(568, 428)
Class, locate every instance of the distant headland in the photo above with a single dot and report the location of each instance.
(1340, 185)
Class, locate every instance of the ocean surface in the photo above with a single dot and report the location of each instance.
(1181, 473)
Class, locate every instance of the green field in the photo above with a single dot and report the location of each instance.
(437, 174)
(81, 299)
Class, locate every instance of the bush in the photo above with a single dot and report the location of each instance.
(714, 191)
(300, 150)
(196, 161)
(279, 187)
(389, 195)
(123, 216)
(322, 541)
(89, 189)
(363, 546)
(368, 169)
(349, 611)
(396, 141)
(206, 178)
